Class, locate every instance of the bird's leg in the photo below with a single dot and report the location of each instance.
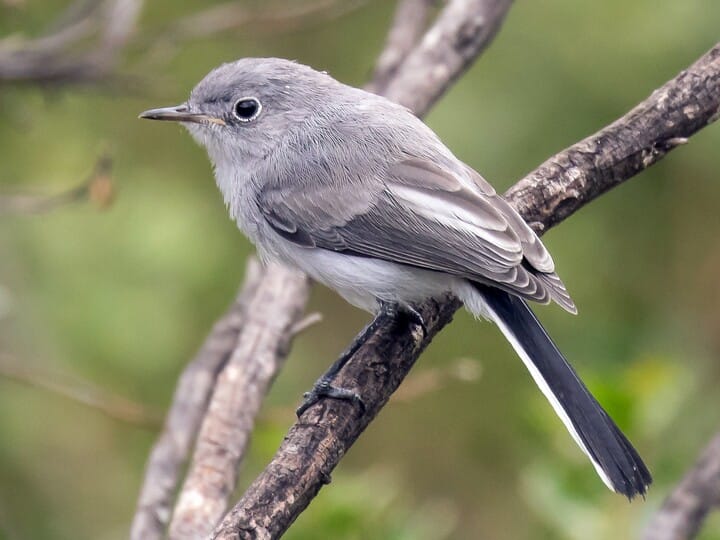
(323, 387)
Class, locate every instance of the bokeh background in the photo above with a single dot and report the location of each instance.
(121, 298)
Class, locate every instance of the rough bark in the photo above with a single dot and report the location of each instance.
(320, 438)
(570, 179)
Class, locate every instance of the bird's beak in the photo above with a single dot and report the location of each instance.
(180, 113)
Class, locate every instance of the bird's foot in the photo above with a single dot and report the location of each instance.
(410, 313)
(415, 317)
(323, 388)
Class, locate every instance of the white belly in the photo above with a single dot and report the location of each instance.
(364, 281)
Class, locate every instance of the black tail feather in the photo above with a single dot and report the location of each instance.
(615, 459)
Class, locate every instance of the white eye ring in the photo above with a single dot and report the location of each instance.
(247, 109)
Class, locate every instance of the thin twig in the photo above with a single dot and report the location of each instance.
(234, 16)
(53, 59)
(306, 322)
(685, 509)
(83, 392)
(170, 453)
(417, 385)
(98, 188)
(316, 443)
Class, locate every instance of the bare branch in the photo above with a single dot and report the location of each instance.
(119, 19)
(63, 56)
(411, 16)
(98, 188)
(462, 31)
(240, 388)
(171, 451)
(683, 512)
(316, 443)
(233, 16)
(417, 385)
(72, 32)
(53, 58)
(626, 147)
(83, 392)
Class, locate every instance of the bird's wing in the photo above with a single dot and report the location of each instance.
(423, 215)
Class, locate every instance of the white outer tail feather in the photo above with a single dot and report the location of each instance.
(547, 392)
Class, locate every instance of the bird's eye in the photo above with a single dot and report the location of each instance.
(247, 109)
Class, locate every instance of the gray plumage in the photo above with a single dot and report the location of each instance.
(418, 206)
(363, 196)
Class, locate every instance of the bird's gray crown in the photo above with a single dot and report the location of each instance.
(285, 94)
(263, 76)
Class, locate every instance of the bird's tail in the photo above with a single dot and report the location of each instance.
(614, 458)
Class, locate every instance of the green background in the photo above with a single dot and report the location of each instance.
(122, 298)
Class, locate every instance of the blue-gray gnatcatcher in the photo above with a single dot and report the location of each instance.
(363, 196)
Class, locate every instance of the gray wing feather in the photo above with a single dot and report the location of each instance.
(422, 215)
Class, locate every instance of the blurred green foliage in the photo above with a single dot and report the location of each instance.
(123, 297)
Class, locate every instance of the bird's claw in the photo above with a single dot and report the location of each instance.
(416, 318)
(324, 389)
(413, 315)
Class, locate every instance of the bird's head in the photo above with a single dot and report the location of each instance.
(241, 110)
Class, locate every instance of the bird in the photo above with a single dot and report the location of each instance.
(360, 194)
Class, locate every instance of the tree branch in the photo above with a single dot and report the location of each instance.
(586, 170)
(51, 59)
(316, 443)
(98, 188)
(79, 391)
(407, 27)
(462, 31)
(683, 512)
(170, 453)
(233, 16)
(272, 17)
(239, 390)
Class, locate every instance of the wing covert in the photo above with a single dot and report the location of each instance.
(422, 215)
